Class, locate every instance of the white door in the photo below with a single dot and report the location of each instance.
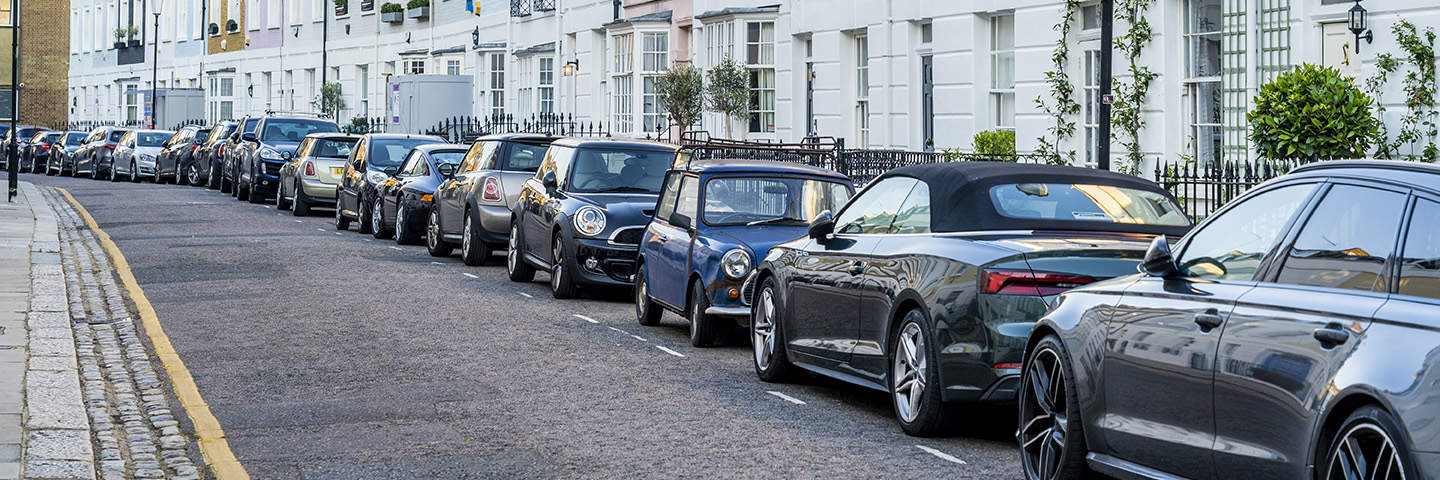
(1339, 49)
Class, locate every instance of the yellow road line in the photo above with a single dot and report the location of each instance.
(213, 446)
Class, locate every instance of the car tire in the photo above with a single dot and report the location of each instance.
(434, 242)
(362, 222)
(702, 327)
(647, 312)
(515, 267)
(767, 336)
(224, 185)
(1375, 434)
(134, 173)
(212, 179)
(562, 282)
(280, 203)
(300, 205)
(253, 196)
(920, 410)
(404, 235)
(1041, 423)
(377, 219)
(341, 221)
(114, 177)
(473, 251)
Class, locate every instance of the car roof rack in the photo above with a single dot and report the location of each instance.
(271, 113)
(811, 150)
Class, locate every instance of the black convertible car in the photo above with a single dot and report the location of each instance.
(582, 215)
(927, 283)
(1293, 334)
(403, 202)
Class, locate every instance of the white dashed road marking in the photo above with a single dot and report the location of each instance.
(616, 329)
(640, 338)
(471, 275)
(436, 263)
(943, 456)
(302, 221)
(669, 351)
(397, 248)
(317, 228)
(337, 233)
(786, 397)
(582, 317)
(526, 295)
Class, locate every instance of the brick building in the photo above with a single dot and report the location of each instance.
(44, 61)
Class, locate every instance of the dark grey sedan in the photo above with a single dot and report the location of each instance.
(1294, 334)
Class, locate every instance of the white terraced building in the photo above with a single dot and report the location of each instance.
(891, 74)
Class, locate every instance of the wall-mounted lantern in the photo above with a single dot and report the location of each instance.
(570, 67)
(1358, 26)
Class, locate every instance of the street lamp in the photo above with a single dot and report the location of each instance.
(155, 72)
(1358, 26)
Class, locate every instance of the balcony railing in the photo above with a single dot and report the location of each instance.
(544, 5)
(521, 8)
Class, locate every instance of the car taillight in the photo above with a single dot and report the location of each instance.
(220, 153)
(1025, 282)
(309, 168)
(192, 147)
(44, 147)
(108, 146)
(491, 190)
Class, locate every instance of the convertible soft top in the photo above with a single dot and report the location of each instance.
(961, 202)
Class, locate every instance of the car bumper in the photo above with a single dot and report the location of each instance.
(318, 190)
(495, 223)
(600, 262)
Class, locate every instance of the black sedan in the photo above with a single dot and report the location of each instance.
(62, 155)
(208, 154)
(35, 154)
(582, 215)
(926, 284)
(1293, 334)
(374, 159)
(403, 201)
(176, 162)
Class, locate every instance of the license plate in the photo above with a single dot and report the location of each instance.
(337, 170)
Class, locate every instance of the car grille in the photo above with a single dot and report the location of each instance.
(271, 168)
(627, 236)
(747, 291)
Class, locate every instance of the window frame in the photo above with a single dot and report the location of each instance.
(1283, 238)
(1269, 270)
(1192, 86)
(996, 96)
(1413, 204)
(851, 203)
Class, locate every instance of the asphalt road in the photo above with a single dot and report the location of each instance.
(329, 354)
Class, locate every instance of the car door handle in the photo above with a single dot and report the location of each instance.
(1208, 320)
(1332, 335)
(664, 237)
(857, 268)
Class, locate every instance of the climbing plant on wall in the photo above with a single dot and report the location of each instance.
(1128, 115)
(1420, 125)
(1062, 104)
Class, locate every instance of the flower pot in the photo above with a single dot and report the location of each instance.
(418, 12)
(134, 43)
(392, 17)
(119, 44)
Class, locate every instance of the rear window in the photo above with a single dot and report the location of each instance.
(607, 170)
(152, 139)
(525, 157)
(250, 125)
(1091, 203)
(74, 138)
(116, 135)
(332, 147)
(389, 152)
(26, 133)
(220, 133)
(448, 156)
(293, 130)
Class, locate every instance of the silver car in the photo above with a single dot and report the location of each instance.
(309, 179)
(473, 204)
(136, 152)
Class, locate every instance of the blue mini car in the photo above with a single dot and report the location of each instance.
(716, 219)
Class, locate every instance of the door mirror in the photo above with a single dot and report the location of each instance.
(681, 221)
(249, 137)
(822, 226)
(446, 169)
(1158, 260)
(391, 171)
(549, 181)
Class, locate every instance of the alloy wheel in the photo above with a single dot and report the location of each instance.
(1365, 452)
(465, 236)
(377, 214)
(763, 330)
(512, 252)
(557, 265)
(432, 229)
(1043, 404)
(399, 223)
(908, 372)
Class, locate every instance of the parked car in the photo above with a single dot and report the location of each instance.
(1297, 324)
(933, 305)
(581, 216)
(36, 152)
(376, 157)
(26, 134)
(176, 162)
(230, 155)
(714, 222)
(472, 207)
(263, 152)
(403, 202)
(312, 175)
(210, 152)
(135, 157)
(94, 157)
(62, 154)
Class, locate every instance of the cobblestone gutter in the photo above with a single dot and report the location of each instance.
(95, 405)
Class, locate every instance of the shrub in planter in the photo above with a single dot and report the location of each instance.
(232, 26)
(1312, 113)
(994, 142)
(417, 3)
(391, 8)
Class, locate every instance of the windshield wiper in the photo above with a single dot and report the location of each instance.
(773, 220)
(623, 188)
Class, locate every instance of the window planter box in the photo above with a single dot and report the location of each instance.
(133, 43)
(231, 26)
(418, 13)
(367, 5)
(392, 17)
(119, 44)
(342, 10)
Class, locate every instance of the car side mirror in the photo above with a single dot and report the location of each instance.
(1158, 260)
(682, 221)
(391, 171)
(249, 137)
(549, 181)
(822, 226)
(446, 169)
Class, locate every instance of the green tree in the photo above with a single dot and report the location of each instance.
(728, 91)
(330, 102)
(681, 91)
(1312, 113)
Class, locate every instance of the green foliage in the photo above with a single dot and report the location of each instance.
(1420, 125)
(994, 142)
(391, 8)
(417, 3)
(1128, 110)
(681, 92)
(342, 3)
(330, 102)
(1062, 91)
(1312, 113)
(727, 91)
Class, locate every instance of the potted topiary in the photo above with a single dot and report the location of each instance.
(418, 9)
(214, 28)
(392, 13)
(1312, 113)
(231, 26)
(342, 7)
(132, 32)
(120, 34)
(995, 145)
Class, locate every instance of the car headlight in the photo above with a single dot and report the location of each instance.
(270, 154)
(735, 264)
(589, 221)
(147, 157)
(377, 177)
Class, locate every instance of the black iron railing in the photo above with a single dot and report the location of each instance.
(364, 125)
(466, 129)
(1204, 188)
(521, 8)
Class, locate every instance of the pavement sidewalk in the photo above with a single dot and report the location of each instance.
(17, 230)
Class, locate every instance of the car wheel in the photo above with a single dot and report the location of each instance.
(403, 234)
(212, 178)
(437, 246)
(772, 359)
(562, 285)
(702, 327)
(915, 379)
(647, 312)
(251, 195)
(515, 267)
(1369, 445)
(224, 186)
(341, 221)
(365, 218)
(473, 251)
(113, 176)
(280, 203)
(300, 205)
(377, 219)
(1052, 443)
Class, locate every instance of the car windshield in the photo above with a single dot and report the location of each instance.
(332, 147)
(745, 200)
(117, 134)
(292, 130)
(389, 152)
(601, 170)
(448, 156)
(250, 125)
(28, 133)
(1094, 203)
(74, 138)
(152, 139)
